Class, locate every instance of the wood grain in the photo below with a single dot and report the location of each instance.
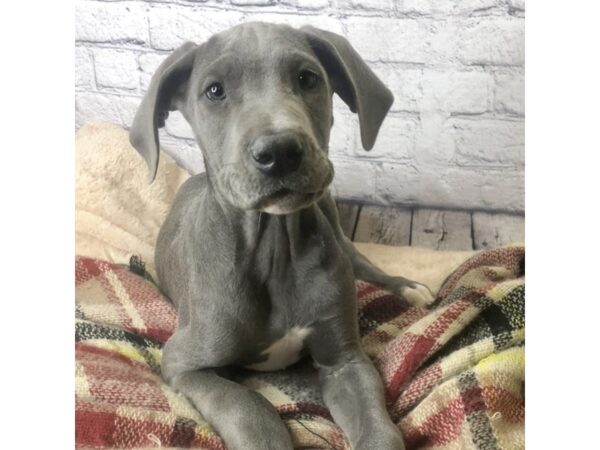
(442, 230)
(384, 225)
(496, 230)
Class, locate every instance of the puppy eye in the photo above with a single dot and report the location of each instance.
(307, 79)
(215, 92)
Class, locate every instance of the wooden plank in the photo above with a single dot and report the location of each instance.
(442, 230)
(383, 225)
(348, 213)
(497, 230)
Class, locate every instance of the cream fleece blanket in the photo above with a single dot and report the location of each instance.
(118, 214)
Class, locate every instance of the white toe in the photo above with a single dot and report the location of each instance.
(418, 296)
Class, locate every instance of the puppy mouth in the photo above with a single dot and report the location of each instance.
(285, 200)
(280, 194)
(247, 190)
(284, 192)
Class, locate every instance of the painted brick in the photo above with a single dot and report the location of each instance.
(113, 108)
(517, 4)
(344, 137)
(185, 152)
(116, 68)
(128, 106)
(450, 187)
(84, 68)
(191, 2)
(489, 142)
(252, 2)
(318, 21)
(388, 39)
(148, 63)
(354, 181)
(395, 141)
(446, 7)
(385, 5)
(509, 93)
(178, 127)
(454, 91)
(404, 83)
(393, 184)
(115, 23)
(90, 106)
(173, 25)
(491, 41)
(435, 144)
(487, 189)
(307, 4)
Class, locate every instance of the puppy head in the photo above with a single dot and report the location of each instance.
(259, 100)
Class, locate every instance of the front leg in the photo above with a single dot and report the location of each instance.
(353, 391)
(415, 293)
(244, 419)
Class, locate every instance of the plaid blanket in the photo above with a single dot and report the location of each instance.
(454, 374)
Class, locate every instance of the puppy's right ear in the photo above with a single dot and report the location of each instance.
(167, 88)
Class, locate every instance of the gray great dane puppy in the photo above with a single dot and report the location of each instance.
(252, 254)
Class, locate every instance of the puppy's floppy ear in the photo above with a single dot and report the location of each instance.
(353, 81)
(166, 88)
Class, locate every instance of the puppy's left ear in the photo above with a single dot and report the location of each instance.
(353, 81)
(165, 93)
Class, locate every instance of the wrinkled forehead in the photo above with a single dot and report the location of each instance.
(257, 48)
(262, 37)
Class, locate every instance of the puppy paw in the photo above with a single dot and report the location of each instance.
(417, 295)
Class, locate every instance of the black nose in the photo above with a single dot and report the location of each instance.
(276, 154)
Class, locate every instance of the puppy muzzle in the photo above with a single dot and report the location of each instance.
(279, 173)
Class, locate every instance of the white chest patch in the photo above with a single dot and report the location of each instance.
(284, 352)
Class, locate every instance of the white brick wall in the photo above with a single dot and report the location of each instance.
(454, 138)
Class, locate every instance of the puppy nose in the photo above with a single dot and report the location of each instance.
(276, 154)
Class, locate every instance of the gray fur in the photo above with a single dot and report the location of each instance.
(246, 257)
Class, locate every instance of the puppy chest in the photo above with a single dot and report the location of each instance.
(283, 352)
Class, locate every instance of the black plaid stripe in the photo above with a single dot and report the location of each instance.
(496, 320)
(86, 331)
(79, 314)
(457, 293)
(365, 325)
(513, 307)
(473, 333)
